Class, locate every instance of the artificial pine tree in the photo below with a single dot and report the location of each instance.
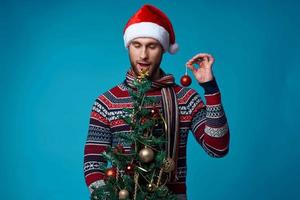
(142, 173)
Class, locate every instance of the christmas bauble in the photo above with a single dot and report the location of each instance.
(143, 120)
(169, 165)
(150, 187)
(123, 194)
(185, 80)
(129, 169)
(111, 172)
(154, 112)
(146, 155)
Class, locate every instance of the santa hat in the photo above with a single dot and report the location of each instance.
(149, 21)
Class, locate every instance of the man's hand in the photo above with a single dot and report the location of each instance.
(203, 72)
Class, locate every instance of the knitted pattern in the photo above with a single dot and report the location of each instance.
(207, 122)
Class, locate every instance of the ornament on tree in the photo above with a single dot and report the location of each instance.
(185, 79)
(150, 187)
(143, 120)
(169, 165)
(129, 169)
(111, 172)
(119, 149)
(143, 74)
(123, 194)
(146, 155)
(154, 112)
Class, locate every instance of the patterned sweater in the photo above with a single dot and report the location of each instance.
(207, 122)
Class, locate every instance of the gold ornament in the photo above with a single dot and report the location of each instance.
(123, 194)
(169, 165)
(146, 155)
(150, 187)
(143, 74)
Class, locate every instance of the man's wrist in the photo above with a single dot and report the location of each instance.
(210, 87)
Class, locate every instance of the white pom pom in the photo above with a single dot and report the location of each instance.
(173, 48)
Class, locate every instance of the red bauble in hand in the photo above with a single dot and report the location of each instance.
(185, 80)
(111, 172)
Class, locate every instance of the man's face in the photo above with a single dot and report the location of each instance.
(145, 53)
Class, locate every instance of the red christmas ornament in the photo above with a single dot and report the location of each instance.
(119, 149)
(143, 120)
(111, 172)
(185, 80)
(154, 112)
(129, 169)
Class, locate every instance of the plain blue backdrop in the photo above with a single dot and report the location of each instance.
(58, 56)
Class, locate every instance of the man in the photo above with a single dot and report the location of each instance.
(148, 35)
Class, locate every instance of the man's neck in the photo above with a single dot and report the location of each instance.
(157, 75)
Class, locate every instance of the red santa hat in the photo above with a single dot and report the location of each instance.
(149, 21)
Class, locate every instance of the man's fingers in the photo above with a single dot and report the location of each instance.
(190, 66)
(202, 57)
(196, 60)
(211, 60)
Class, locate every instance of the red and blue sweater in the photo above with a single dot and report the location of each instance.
(206, 121)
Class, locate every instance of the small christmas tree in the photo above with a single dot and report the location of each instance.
(142, 173)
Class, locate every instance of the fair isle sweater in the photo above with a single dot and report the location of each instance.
(206, 121)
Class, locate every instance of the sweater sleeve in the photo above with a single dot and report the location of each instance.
(98, 139)
(209, 123)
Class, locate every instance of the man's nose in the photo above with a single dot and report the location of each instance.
(144, 53)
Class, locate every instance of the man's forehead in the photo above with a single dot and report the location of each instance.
(145, 40)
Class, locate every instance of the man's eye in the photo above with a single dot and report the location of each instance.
(152, 46)
(136, 45)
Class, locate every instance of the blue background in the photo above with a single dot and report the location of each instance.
(58, 56)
